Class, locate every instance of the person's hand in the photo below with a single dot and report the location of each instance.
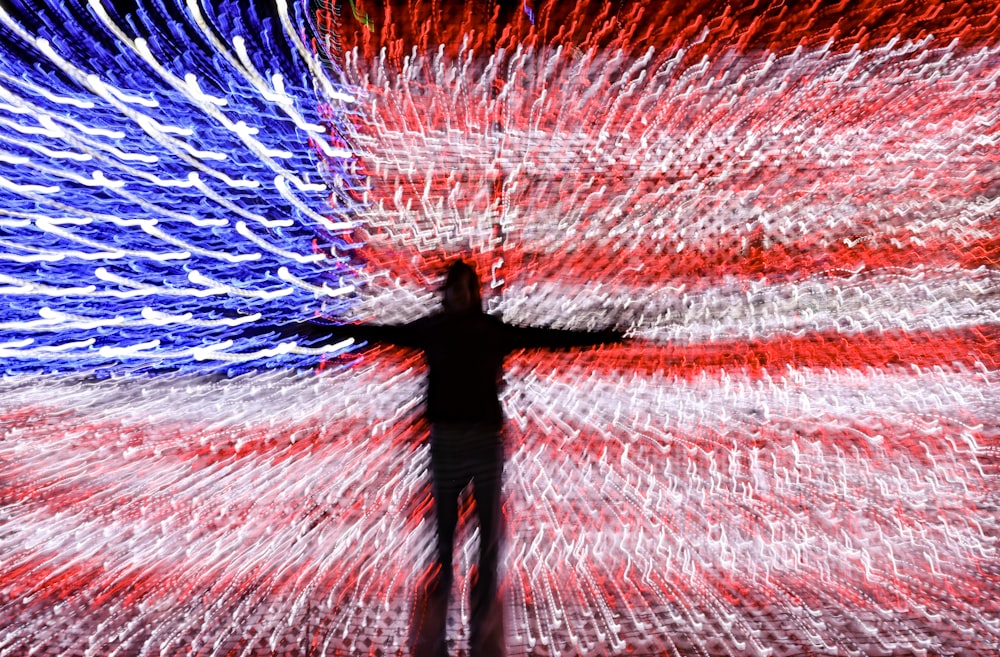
(610, 336)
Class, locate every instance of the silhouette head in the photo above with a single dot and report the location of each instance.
(461, 289)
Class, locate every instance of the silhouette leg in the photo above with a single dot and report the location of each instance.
(431, 612)
(446, 494)
(486, 622)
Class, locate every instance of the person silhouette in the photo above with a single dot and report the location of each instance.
(464, 349)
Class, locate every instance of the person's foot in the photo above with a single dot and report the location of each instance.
(430, 615)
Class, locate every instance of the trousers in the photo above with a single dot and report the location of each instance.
(464, 454)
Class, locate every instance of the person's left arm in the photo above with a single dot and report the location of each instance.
(533, 337)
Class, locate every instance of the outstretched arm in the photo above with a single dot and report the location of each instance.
(529, 337)
(407, 335)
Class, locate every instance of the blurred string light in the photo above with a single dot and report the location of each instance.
(680, 512)
(171, 175)
(692, 182)
(792, 205)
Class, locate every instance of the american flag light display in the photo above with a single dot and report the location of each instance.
(790, 207)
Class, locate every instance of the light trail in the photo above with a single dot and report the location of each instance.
(790, 208)
(151, 151)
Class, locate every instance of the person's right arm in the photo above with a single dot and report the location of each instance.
(312, 330)
(533, 337)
